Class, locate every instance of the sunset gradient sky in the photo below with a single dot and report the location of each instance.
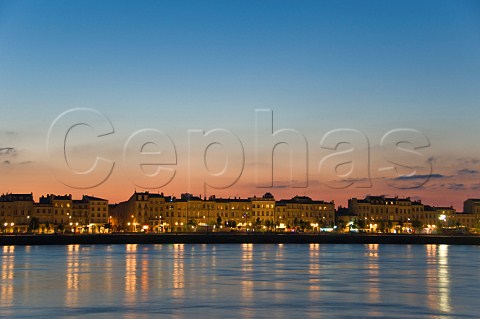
(175, 66)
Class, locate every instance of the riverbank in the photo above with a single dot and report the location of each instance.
(237, 238)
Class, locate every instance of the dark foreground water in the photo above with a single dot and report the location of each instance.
(240, 281)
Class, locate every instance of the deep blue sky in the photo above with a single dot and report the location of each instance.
(176, 65)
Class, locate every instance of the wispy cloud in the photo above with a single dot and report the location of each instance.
(421, 177)
(467, 171)
(10, 156)
(8, 133)
(449, 186)
(455, 186)
(469, 161)
(8, 162)
(8, 151)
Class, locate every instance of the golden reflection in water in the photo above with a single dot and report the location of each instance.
(373, 273)
(373, 250)
(144, 279)
(130, 273)
(178, 270)
(214, 257)
(314, 266)
(438, 285)
(431, 274)
(247, 283)
(280, 251)
(431, 253)
(108, 271)
(73, 269)
(247, 253)
(443, 279)
(210, 262)
(314, 281)
(8, 266)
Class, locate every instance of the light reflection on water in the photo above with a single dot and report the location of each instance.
(7, 283)
(248, 281)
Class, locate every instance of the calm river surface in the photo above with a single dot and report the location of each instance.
(240, 281)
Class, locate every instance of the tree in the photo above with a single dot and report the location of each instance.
(34, 224)
(304, 225)
(321, 222)
(219, 221)
(381, 226)
(107, 226)
(354, 224)
(295, 222)
(399, 226)
(2, 225)
(258, 223)
(269, 224)
(191, 224)
(416, 224)
(362, 223)
(61, 227)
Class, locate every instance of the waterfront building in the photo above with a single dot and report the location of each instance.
(263, 210)
(302, 212)
(61, 213)
(44, 212)
(143, 211)
(80, 216)
(470, 218)
(238, 213)
(154, 212)
(54, 212)
(437, 218)
(15, 212)
(470, 222)
(231, 213)
(471, 206)
(387, 214)
(98, 218)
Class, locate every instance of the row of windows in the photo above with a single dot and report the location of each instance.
(151, 209)
(99, 215)
(262, 206)
(262, 213)
(308, 208)
(15, 213)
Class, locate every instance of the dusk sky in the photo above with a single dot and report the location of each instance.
(175, 66)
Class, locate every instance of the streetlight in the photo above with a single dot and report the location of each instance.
(443, 218)
(133, 223)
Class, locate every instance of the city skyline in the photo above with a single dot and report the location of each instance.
(372, 67)
(160, 213)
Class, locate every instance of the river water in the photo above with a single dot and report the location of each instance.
(240, 281)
